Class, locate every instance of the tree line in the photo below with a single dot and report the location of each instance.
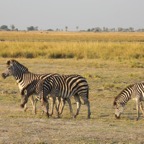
(96, 29)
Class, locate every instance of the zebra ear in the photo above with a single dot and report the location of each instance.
(114, 103)
(8, 63)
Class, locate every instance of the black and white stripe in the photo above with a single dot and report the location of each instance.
(27, 81)
(134, 91)
(66, 86)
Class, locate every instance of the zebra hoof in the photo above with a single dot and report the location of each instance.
(74, 117)
(50, 114)
(47, 115)
(137, 119)
(88, 117)
(58, 117)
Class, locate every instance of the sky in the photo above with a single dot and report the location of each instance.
(53, 14)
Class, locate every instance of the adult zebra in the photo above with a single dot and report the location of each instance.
(27, 81)
(65, 86)
(134, 91)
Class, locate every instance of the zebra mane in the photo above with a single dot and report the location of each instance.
(9, 62)
(120, 94)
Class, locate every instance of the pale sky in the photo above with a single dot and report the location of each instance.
(85, 14)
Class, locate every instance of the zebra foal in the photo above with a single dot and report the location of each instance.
(66, 86)
(134, 91)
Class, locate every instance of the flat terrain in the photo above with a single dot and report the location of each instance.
(106, 79)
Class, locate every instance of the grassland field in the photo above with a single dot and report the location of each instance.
(109, 61)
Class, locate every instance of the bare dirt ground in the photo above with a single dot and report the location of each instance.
(106, 80)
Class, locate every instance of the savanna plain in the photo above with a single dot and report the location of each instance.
(109, 61)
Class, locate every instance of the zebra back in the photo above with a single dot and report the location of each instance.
(66, 85)
(124, 96)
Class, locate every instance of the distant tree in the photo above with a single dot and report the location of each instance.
(105, 29)
(66, 28)
(32, 28)
(77, 28)
(89, 30)
(120, 29)
(57, 29)
(4, 27)
(140, 30)
(12, 27)
(98, 29)
(131, 29)
(112, 30)
(50, 30)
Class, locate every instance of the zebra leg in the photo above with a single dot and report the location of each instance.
(78, 102)
(141, 108)
(25, 107)
(89, 112)
(70, 107)
(86, 101)
(52, 105)
(62, 103)
(45, 105)
(57, 105)
(137, 108)
(33, 102)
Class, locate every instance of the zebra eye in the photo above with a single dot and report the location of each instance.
(9, 68)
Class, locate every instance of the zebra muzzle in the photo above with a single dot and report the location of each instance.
(117, 117)
(22, 105)
(3, 75)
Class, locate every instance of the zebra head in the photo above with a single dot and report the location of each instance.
(14, 68)
(121, 99)
(119, 108)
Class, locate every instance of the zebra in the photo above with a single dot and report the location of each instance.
(65, 86)
(27, 81)
(133, 91)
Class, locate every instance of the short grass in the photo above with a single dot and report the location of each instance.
(106, 79)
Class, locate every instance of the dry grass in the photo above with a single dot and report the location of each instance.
(72, 45)
(71, 36)
(106, 80)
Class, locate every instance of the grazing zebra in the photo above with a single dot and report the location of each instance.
(65, 86)
(27, 81)
(134, 91)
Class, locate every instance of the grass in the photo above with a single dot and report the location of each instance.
(78, 50)
(109, 61)
(71, 36)
(72, 45)
(106, 80)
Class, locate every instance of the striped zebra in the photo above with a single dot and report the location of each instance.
(135, 92)
(65, 86)
(27, 81)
